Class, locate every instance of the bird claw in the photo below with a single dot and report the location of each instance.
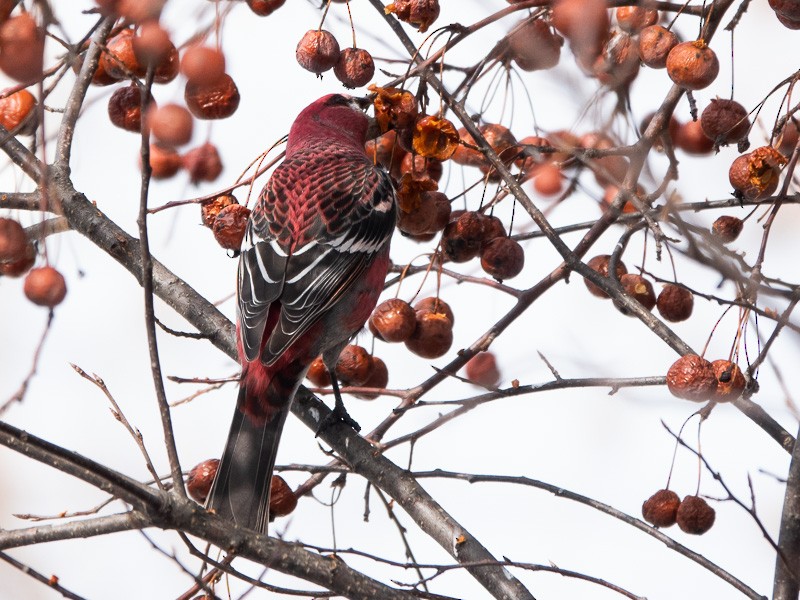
(337, 415)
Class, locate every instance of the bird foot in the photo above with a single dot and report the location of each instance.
(338, 415)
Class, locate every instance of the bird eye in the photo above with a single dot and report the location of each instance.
(337, 100)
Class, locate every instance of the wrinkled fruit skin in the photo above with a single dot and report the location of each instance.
(433, 335)
(210, 209)
(125, 108)
(378, 378)
(655, 44)
(730, 380)
(354, 366)
(200, 478)
(317, 51)
(419, 13)
(661, 509)
(756, 175)
(692, 65)
(502, 258)
(282, 500)
(640, 289)
(354, 68)
(393, 321)
(12, 239)
(229, 226)
(600, 264)
(218, 100)
(675, 303)
(727, 228)
(692, 378)
(695, 516)
(725, 121)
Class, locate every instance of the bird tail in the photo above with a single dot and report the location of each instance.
(241, 488)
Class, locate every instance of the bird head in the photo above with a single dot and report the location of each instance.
(335, 117)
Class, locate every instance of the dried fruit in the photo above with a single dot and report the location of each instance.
(640, 289)
(21, 264)
(22, 48)
(164, 162)
(600, 263)
(725, 121)
(655, 43)
(12, 239)
(419, 220)
(394, 108)
(138, 11)
(317, 51)
(437, 305)
(230, 225)
(410, 190)
(354, 68)
(727, 228)
(393, 320)
(610, 194)
(203, 163)
(318, 374)
(788, 136)
(618, 62)
(418, 13)
(730, 380)
(675, 303)
(378, 378)
(152, 44)
(755, 175)
(691, 139)
(125, 108)
(420, 167)
(482, 369)
(695, 516)
(502, 258)
(170, 124)
(433, 334)
(692, 377)
(17, 113)
(463, 237)
(533, 45)
(635, 18)
(203, 65)
(264, 7)
(218, 100)
(200, 479)
(435, 137)
(661, 509)
(354, 365)
(584, 23)
(499, 138)
(692, 65)
(282, 500)
(119, 60)
(384, 151)
(45, 287)
(210, 209)
(442, 211)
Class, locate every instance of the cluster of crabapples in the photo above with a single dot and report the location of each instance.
(665, 508)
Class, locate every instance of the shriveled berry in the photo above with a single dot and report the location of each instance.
(282, 500)
(725, 121)
(640, 289)
(22, 48)
(435, 137)
(45, 287)
(378, 378)
(787, 137)
(394, 108)
(318, 373)
(437, 305)
(600, 263)
(730, 380)
(691, 139)
(171, 124)
(692, 377)
(230, 225)
(393, 320)
(493, 228)
(482, 369)
(655, 43)
(618, 62)
(203, 163)
(692, 65)
(354, 365)
(695, 516)
(442, 211)
(675, 303)
(410, 190)
(354, 68)
(635, 18)
(418, 13)
(218, 100)
(164, 161)
(12, 239)
(385, 151)
(661, 509)
(533, 45)
(421, 167)
(200, 479)
(727, 228)
(433, 335)
(756, 175)
(502, 258)
(16, 267)
(584, 23)
(17, 113)
(210, 208)
(317, 51)
(203, 65)
(119, 60)
(125, 108)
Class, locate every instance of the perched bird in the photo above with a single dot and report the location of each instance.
(313, 263)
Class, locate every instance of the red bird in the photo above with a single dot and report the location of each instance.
(313, 263)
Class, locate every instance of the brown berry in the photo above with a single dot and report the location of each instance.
(600, 264)
(203, 163)
(354, 365)
(640, 289)
(433, 335)
(16, 267)
(692, 65)
(442, 211)
(354, 68)
(394, 108)
(695, 516)
(661, 509)
(584, 23)
(318, 374)
(164, 162)
(45, 287)
(152, 44)
(420, 167)
(725, 121)
(12, 239)
(420, 220)
(139, 11)
(264, 8)
(17, 113)
(317, 51)
(435, 137)
(618, 63)
(125, 108)
(210, 208)
(410, 190)
(482, 369)
(675, 303)
(230, 225)
(218, 100)
(549, 180)
(378, 379)
(282, 500)
(385, 151)
(493, 228)
(692, 377)
(418, 13)
(437, 305)
(502, 258)
(203, 65)
(119, 60)
(393, 320)
(22, 48)
(756, 175)
(655, 43)
(533, 45)
(691, 139)
(635, 18)
(727, 228)
(730, 380)
(200, 479)
(170, 124)
(788, 136)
